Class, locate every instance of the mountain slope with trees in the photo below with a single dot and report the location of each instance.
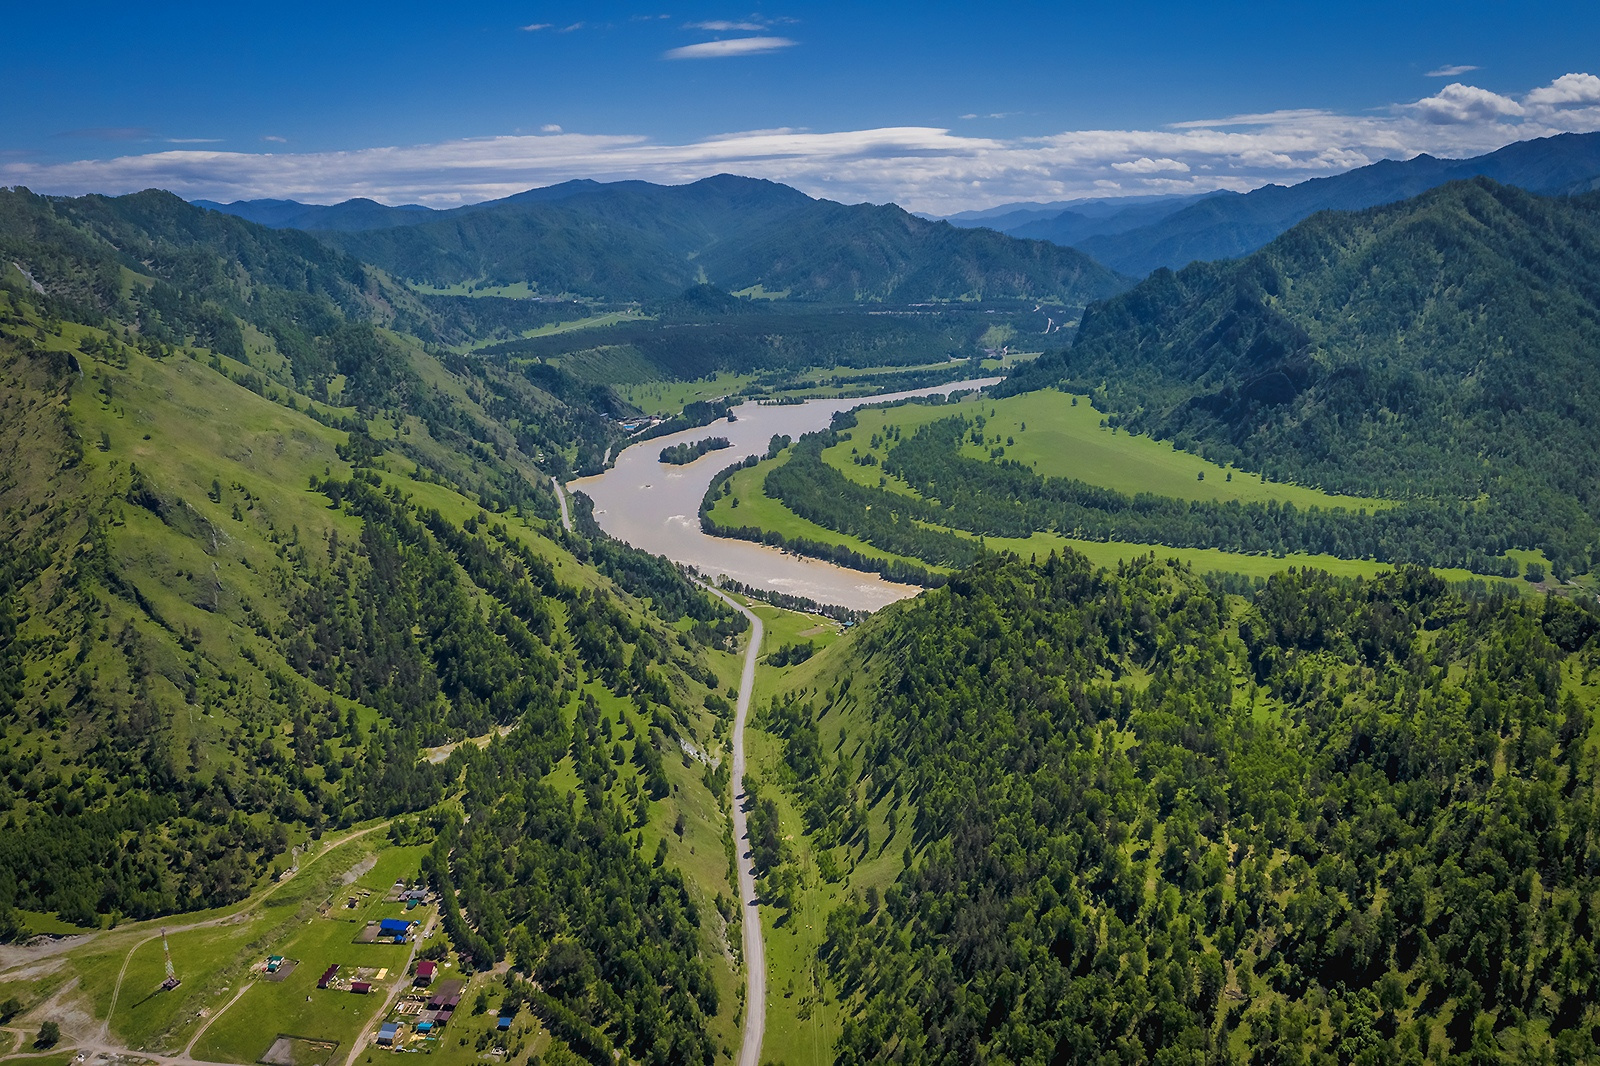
(1442, 347)
(1348, 821)
(636, 241)
(257, 552)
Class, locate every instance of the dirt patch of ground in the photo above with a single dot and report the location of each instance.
(298, 1051)
(39, 948)
(354, 874)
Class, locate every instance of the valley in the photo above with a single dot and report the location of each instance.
(708, 624)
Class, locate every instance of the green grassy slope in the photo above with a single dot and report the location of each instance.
(241, 593)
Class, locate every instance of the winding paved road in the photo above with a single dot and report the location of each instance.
(755, 958)
(755, 954)
(561, 498)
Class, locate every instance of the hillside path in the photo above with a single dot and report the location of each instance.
(188, 1051)
(755, 959)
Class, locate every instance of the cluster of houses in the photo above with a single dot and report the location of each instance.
(434, 1014)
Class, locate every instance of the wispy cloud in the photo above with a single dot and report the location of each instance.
(274, 138)
(1452, 71)
(726, 27)
(550, 128)
(192, 140)
(535, 27)
(735, 46)
(923, 168)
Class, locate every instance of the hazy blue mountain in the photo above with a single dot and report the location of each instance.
(635, 240)
(1225, 227)
(291, 214)
(1078, 225)
(1086, 205)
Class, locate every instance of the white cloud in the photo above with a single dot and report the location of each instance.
(275, 139)
(1146, 165)
(193, 140)
(922, 168)
(550, 128)
(1264, 118)
(1569, 90)
(736, 46)
(535, 27)
(1451, 71)
(1458, 103)
(718, 26)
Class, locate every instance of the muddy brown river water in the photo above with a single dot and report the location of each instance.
(656, 507)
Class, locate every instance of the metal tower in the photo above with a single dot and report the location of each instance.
(172, 980)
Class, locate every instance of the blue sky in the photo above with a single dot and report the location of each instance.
(937, 106)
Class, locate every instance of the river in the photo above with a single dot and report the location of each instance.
(656, 507)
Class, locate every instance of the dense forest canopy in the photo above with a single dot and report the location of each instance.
(1349, 821)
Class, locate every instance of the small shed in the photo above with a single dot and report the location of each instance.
(361, 988)
(424, 1027)
(387, 1033)
(504, 1023)
(322, 982)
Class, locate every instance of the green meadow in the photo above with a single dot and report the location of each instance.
(1060, 435)
(1057, 438)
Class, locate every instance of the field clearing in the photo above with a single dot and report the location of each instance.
(670, 397)
(608, 318)
(1063, 440)
(757, 509)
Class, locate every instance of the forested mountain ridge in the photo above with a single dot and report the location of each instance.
(1440, 347)
(633, 240)
(1229, 225)
(1350, 821)
(241, 593)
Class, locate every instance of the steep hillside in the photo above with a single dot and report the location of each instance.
(1071, 816)
(239, 599)
(1223, 227)
(632, 240)
(1441, 347)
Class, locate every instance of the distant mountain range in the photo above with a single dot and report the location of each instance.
(1135, 235)
(633, 240)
